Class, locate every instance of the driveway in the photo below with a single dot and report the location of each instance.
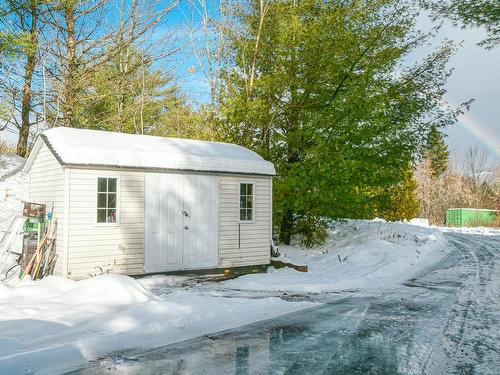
(445, 320)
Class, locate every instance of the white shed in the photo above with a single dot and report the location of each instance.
(136, 204)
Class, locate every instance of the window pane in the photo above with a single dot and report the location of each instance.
(249, 202)
(101, 216)
(111, 216)
(112, 185)
(106, 200)
(101, 184)
(246, 202)
(111, 200)
(101, 200)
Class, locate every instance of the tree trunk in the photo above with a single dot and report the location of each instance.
(71, 76)
(22, 142)
(286, 227)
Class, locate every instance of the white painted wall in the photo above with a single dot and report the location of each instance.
(118, 247)
(46, 186)
(254, 237)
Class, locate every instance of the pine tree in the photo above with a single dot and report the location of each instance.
(317, 87)
(22, 41)
(437, 151)
(139, 100)
(402, 202)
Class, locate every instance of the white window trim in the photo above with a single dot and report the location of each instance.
(118, 208)
(254, 183)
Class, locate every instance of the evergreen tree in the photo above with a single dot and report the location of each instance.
(21, 39)
(437, 152)
(401, 202)
(139, 100)
(318, 87)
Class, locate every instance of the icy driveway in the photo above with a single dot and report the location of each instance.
(445, 320)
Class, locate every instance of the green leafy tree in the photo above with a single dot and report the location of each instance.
(319, 88)
(437, 151)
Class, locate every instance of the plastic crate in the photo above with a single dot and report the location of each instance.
(33, 225)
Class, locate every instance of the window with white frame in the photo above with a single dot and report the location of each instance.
(107, 196)
(246, 201)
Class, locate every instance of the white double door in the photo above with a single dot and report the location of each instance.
(181, 222)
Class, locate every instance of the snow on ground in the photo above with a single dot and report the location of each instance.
(52, 325)
(13, 190)
(10, 164)
(357, 255)
(482, 231)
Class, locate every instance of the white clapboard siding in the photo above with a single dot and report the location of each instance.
(46, 186)
(249, 244)
(117, 247)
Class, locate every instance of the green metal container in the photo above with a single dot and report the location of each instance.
(471, 217)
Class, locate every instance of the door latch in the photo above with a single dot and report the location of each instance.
(185, 213)
(186, 227)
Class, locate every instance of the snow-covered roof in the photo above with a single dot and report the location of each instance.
(85, 147)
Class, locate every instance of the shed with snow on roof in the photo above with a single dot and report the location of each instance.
(137, 204)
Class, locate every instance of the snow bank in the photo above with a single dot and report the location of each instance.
(9, 165)
(55, 324)
(13, 188)
(357, 255)
(482, 231)
(13, 191)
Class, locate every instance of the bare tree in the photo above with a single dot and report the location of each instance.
(475, 165)
(496, 187)
(209, 38)
(438, 193)
(83, 41)
(263, 9)
(468, 182)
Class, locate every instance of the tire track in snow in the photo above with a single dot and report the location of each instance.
(469, 341)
